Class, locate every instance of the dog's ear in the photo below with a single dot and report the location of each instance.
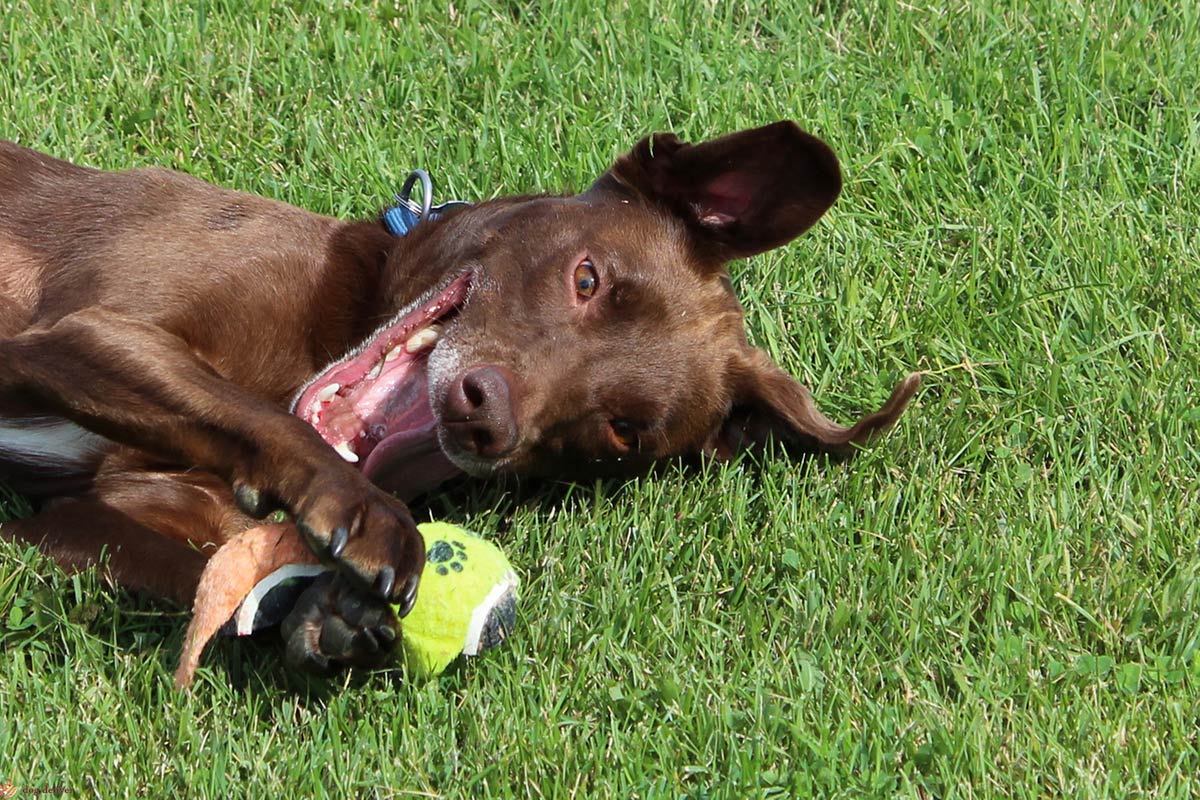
(740, 194)
(769, 404)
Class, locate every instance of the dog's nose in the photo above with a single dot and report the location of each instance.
(479, 413)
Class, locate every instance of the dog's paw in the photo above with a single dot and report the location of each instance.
(347, 522)
(334, 626)
(369, 536)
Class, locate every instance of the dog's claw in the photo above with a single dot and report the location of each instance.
(409, 597)
(385, 582)
(372, 540)
(337, 542)
(366, 642)
(251, 501)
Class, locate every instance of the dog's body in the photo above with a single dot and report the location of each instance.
(155, 331)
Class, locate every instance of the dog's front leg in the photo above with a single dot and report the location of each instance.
(138, 384)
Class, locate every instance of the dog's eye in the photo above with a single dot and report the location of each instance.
(586, 281)
(624, 434)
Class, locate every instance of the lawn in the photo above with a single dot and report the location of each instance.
(998, 600)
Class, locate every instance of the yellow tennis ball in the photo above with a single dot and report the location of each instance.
(467, 601)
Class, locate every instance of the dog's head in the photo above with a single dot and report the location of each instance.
(580, 334)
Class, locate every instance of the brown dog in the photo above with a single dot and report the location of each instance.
(155, 331)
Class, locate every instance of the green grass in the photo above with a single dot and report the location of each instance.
(1000, 600)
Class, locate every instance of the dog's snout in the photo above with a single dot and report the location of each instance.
(479, 411)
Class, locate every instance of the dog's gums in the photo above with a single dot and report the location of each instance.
(373, 406)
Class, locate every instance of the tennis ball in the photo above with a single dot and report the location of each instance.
(467, 601)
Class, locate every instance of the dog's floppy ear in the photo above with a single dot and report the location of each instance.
(770, 404)
(740, 194)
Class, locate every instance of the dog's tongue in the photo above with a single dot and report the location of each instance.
(410, 462)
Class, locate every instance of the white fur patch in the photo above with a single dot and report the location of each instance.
(48, 442)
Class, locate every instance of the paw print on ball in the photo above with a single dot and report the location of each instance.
(446, 556)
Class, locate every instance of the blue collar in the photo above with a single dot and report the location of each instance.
(407, 214)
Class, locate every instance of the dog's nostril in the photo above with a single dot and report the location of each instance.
(473, 390)
(483, 390)
(479, 411)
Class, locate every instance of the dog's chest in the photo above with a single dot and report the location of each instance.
(48, 442)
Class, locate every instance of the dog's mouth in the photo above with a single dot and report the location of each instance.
(373, 406)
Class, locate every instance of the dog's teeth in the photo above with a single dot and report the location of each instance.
(422, 339)
(375, 370)
(394, 353)
(326, 394)
(345, 452)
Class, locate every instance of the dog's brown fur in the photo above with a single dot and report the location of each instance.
(177, 320)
